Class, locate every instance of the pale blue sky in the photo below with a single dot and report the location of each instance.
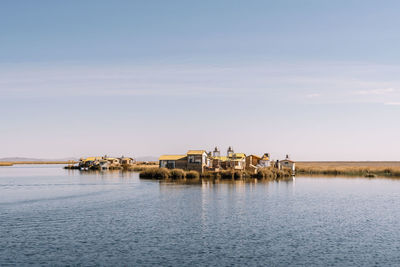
(316, 79)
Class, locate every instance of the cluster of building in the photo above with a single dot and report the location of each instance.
(201, 160)
(105, 163)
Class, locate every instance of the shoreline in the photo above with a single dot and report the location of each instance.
(368, 169)
(11, 163)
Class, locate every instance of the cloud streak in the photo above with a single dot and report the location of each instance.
(392, 103)
(319, 82)
(384, 91)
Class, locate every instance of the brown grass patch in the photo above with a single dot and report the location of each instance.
(140, 167)
(351, 168)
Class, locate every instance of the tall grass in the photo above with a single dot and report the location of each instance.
(273, 173)
(178, 174)
(155, 173)
(163, 173)
(264, 173)
(140, 167)
(192, 175)
(362, 169)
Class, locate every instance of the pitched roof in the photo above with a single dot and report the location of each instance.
(172, 157)
(254, 156)
(92, 158)
(222, 158)
(196, 152)
(239, 155)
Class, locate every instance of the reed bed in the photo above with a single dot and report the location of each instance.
(178, 174)
(272, 173)
(163, 173)
(140, 167)
(362, 169)
(264, 173)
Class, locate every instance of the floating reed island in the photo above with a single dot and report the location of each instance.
(179, 174)
(203, 161)
(196, 164)
(202, 164)
(109, 163)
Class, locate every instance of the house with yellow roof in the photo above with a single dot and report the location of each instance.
(85, 163)
(196, 160)
(200, 160)
(173, 161)
(237, 161)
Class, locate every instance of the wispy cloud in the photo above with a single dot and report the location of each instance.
(383, 91)
(392, 103)
(296, 82)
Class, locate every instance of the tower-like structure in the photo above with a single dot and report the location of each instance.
(216, 152)
(230, 152)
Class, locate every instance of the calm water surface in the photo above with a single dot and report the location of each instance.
(52, 216)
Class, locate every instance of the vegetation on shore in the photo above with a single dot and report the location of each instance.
(361, 169)
(163, 173)
(10, 163)
(177, 174)
(138, 167)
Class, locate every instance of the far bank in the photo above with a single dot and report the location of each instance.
(349, 168)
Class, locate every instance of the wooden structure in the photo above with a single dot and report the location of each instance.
(173, 161)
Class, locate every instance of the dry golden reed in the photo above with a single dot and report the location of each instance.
(350, 168)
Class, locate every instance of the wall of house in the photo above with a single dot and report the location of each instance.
(288, 164)
(224, 165)
(174, 164)
(170, 164)
(265, 163)
(239, 164)
(215, 163)
(196, 162)
(181, 164)
(195, 159)
(195, 167)
(252, 160)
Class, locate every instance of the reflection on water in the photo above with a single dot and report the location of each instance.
(102, 174)
(52, 216)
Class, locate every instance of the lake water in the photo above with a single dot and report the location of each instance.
(52, 216)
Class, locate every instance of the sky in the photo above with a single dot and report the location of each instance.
(315, 79)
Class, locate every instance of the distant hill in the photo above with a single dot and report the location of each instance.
(147, 158)
(33, 159)
(13, 159)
